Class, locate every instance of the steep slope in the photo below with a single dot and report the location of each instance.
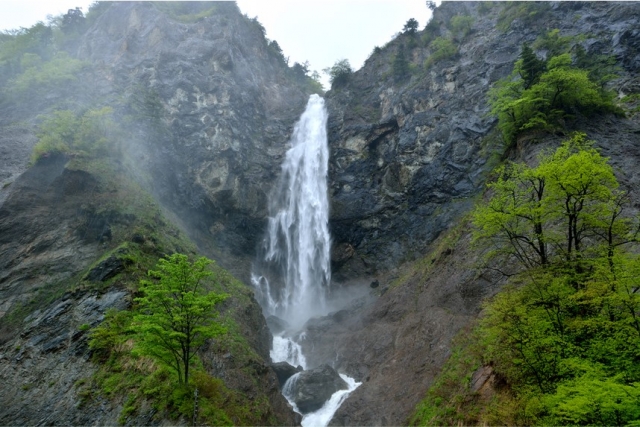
(200, 107)
(409, 156)
(220, 103)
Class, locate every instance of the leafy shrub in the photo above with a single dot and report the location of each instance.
(562, 338)
(60, 70)
(65, 132)
(530, 99)
(441, 48)
(461, 25)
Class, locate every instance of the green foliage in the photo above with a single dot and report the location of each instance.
(529, 67)
(441, 48)
(447, 401)
(96, 9)
(176, 314)
(558, 210)
(36, 39)
(186, 12)
(339, 73)
(485, 6)
(563, 338)
(126, 374)
(410, 27)
(602, 68)
(534, 99)
(65, 132)
(38, 75)
(572, 324)
(461, 25)
(594, 401)
(302, 74)
(553, 43)
(631, 103)
(275, 50)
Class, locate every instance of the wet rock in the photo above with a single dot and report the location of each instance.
(277, 325)
(107, 269)
(284, 371)
(310, 389)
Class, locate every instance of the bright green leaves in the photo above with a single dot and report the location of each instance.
(594, 401)
(564, 209)
(540, 95)
(567, 338)
(176, 314)
(441, 48)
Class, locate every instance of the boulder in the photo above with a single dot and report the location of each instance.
(284, 371)
(309, 390)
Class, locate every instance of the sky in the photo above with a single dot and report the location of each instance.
(319, 31)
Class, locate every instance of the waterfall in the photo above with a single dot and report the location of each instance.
(292, 271)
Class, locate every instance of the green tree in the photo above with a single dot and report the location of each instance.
(531, 67)
(410, 27)
(565, 209)
(559, 93)
(177, 314)
(65, 132)
(339, 73)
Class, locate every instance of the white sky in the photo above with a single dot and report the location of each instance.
(319, 31)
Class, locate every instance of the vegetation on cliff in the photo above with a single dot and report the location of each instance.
(562, 339)
(543, 94)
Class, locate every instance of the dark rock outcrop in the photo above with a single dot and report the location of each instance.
(407, 160)
(224, 106)
(407, 157)
(48, 362)
(284, 371)
(311, 389)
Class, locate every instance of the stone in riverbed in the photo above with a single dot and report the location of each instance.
(311, 389)
(284, 371)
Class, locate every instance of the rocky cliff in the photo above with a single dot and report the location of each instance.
(202, 108)
(409, 159)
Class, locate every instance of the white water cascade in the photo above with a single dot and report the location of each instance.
(292, 271)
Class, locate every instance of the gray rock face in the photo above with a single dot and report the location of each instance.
(45, 362)
(222, 110)
(310, 389)
(408, 157)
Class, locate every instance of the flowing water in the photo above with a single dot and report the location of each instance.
(292, 272)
